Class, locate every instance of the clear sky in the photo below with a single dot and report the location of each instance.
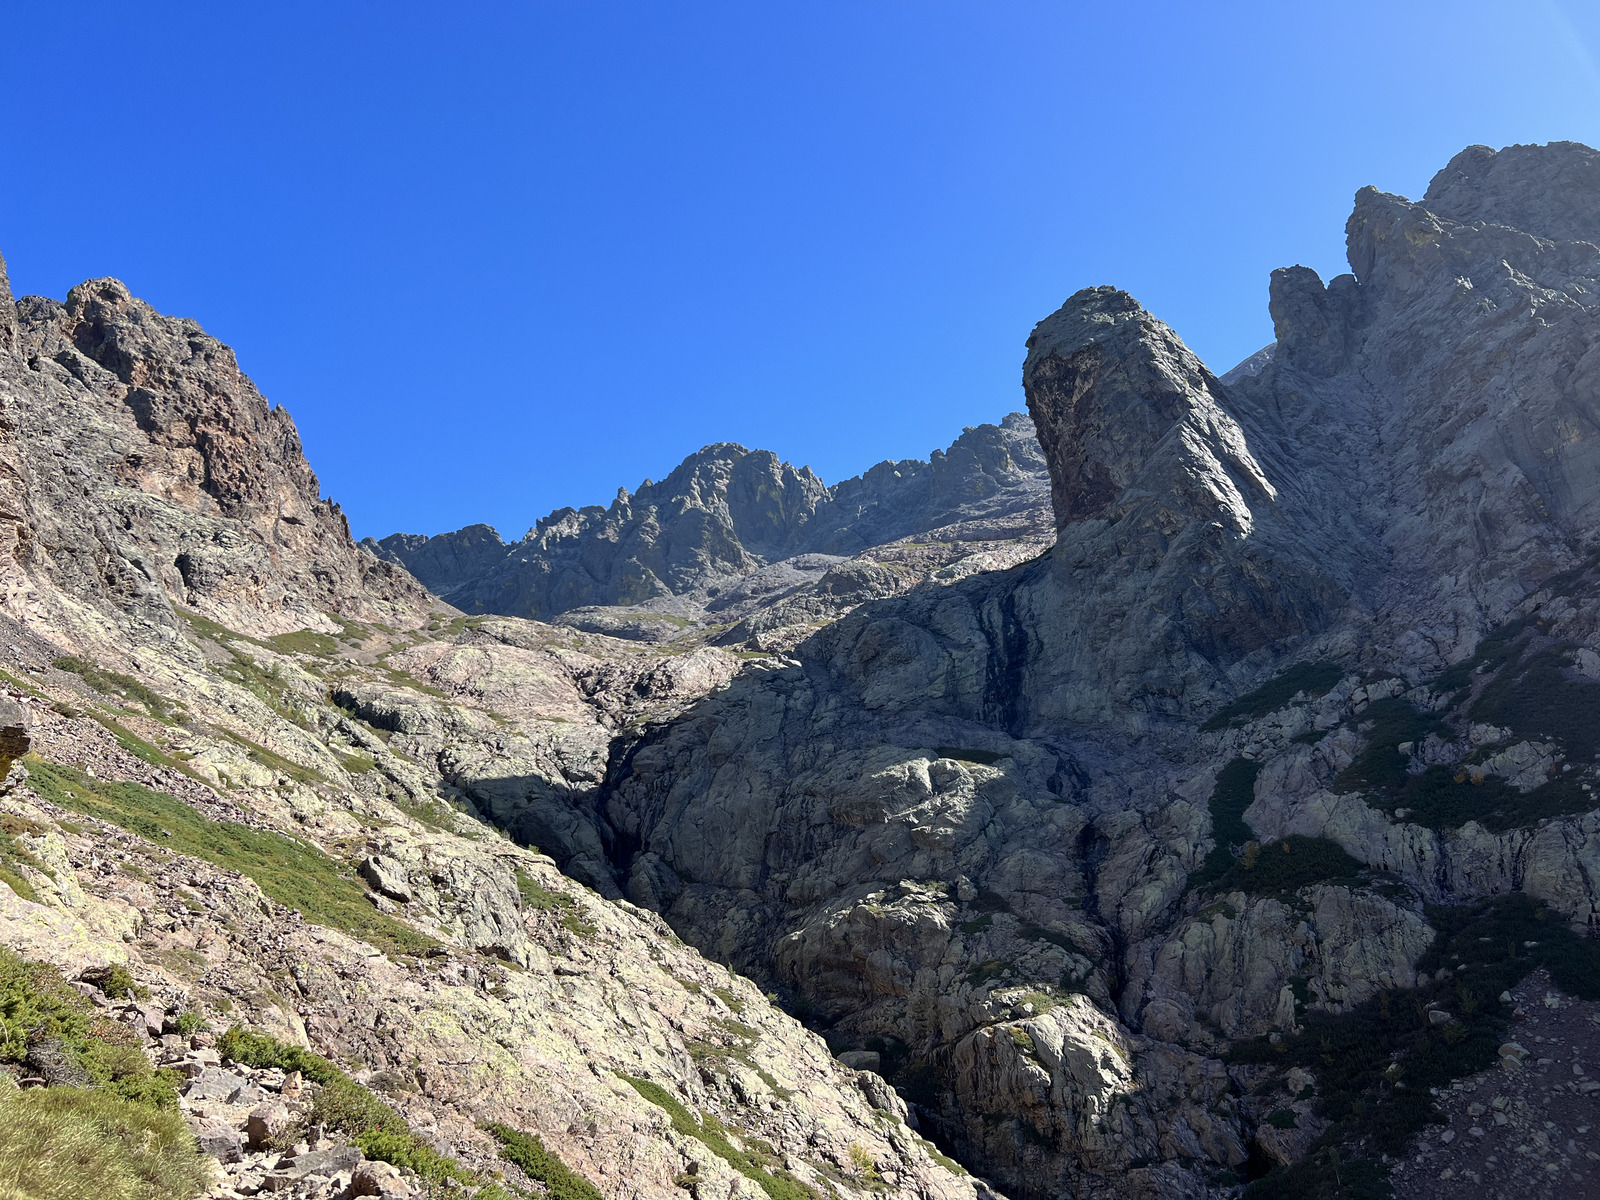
(500, 257)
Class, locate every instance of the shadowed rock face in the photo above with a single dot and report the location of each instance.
(724, 513)
(947, 798)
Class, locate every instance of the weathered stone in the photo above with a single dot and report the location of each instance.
(214, 1084)
(378, 1179)
(387, 877)
(220, 1140)
(51, 1060)
(266, 1124)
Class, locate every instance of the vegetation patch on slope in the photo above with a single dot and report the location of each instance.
(1313, 678)
(1233, 792)
(1374, 1066)
(1532, 697)
(291, 872)
(710, 1132)
(37, 1005)
(67, 1143)
(527, 1151)
(1535, 699)
(344, 1105)
(1289, 864)
(113, 683)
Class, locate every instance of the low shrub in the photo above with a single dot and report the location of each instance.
(1314, 679)
(112, 683)
(1375, 1065)
(346, 1106)
(1290, 864)
(528, 1152)
(779, 1185)
(1530, 697)
(36, 1003)
(1233, 792)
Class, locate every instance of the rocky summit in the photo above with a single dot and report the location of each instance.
(1186, 790)
(732, 530)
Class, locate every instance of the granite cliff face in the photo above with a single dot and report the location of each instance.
(143, 469)
(955, 813)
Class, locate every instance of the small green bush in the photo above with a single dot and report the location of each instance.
(291, 872)
(115, 980)
(346, 1106)
(778, 1185)
(1289, 865)
(36, 1002)
(262, 1050)
(1315, 679)
(528, 1152)
(69, 1143)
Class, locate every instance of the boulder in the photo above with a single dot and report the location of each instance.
(266, 1124)
(220, 1140)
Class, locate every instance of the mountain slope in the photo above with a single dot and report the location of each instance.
(262, 769)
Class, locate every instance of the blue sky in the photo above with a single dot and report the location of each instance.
(496, 258)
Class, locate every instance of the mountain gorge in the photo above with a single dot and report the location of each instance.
(1167, 793)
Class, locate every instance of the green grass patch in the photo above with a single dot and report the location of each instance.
(1234, 791)
(527, 1152)
(711, 1133)
(289, 871)
(1314, 679)
(137, 746)
(1288, 865)
(1375, 1066)
(270, 760)
(537, 898)
(113, 683)
(344, 1105)
(356, 764)
(267, 684)
(304, 641)
(67, 1143)
(13, 858)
